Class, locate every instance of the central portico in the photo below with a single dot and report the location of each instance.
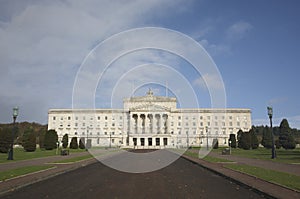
(149, 120)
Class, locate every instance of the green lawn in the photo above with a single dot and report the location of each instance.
(4, 175)
(285, 156)
(282, 178)
(194, 154)
(75, 159)
(20, 154)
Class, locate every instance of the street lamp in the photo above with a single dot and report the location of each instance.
(87, 137)
(109, 139)
(270, 113)
(11, 150)
(229, 147)
(187, 140)
(206, 137)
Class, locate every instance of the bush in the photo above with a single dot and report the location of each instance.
(65, 141)
(5, 139)
(81, 144)
(215, 144)
(74, 143)
(51, 139)
(233, 141)
(29, 140)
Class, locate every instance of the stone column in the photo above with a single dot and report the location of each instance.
(147, 121)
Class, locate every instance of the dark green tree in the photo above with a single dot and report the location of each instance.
(51, 139)
(239, 138)
(41, 138)
(65, 141)
(286, 138)
(81, 144)
(5, 139)
(277, 144)
(232, 140)
(244, 140)
(74, 143)
(29, 140)
(215, 144)
(267, 138)
(254, 139)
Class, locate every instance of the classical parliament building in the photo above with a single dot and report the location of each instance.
(150, 122)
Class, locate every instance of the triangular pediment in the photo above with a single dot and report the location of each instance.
(149, 107)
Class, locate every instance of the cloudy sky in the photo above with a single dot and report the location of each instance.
(254, 44)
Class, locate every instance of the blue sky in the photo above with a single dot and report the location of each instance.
(254, 44)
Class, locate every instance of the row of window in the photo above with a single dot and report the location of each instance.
(216, 118)
(179, 118)
(84, 118)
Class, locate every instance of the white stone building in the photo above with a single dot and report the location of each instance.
(149, 122)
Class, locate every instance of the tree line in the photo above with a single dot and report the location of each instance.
(29, 136)
(284, 137)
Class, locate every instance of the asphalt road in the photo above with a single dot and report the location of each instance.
(181, 179)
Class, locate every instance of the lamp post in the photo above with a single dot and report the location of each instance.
(109, 139)
(87, 138)
(206, 137)
(11, 150)
(229, 147)
(270, 113)
(187, 140)
(57, 146)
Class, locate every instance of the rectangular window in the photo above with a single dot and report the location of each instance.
(54, 118)
(69, 118)
(105, 117)
(98, 117)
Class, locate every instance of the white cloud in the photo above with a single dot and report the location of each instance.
(43, 43)
(210, 80)
(238, 30)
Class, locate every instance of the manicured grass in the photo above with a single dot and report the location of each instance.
(75, 159)
(193, 154)
(208, 158)
(282, 178)
(4, 175)
(20, 154)
(285, 156)
(216, 160)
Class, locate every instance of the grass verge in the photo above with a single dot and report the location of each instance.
(75, 159)
(284, 156)
(5, 175)
(285, 179)
(208, 158)
(20, 154)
